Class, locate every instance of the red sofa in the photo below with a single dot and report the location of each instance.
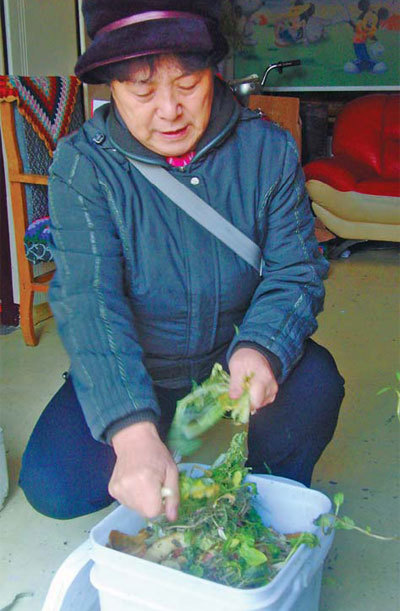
(356, 192)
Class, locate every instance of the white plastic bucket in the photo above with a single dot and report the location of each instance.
(126, 583)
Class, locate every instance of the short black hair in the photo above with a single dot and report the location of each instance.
(122, 71)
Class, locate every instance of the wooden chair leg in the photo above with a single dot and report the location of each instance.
(26, 317)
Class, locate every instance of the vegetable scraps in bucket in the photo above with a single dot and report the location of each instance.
(218, 535)
(203, 408)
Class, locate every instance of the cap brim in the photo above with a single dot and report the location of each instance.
(181, 35)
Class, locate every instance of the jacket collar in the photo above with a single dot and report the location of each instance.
(225, 113)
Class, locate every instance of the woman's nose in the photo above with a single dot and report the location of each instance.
(169, 107)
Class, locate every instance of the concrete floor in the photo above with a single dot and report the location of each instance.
(360, 325)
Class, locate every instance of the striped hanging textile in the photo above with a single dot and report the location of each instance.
(45, 102)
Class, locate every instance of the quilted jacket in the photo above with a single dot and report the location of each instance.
(143, 295)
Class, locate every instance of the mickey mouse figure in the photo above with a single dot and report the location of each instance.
(292, 28)
(365, 29)
(245, 10)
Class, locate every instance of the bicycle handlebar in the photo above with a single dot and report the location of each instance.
(279, 66)
(293, 62)
(252, 84)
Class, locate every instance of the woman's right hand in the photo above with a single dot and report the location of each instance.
(143, 467)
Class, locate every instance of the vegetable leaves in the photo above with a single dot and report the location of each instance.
(218, 534)
(203, 408)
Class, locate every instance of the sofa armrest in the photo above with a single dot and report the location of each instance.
(340, 172)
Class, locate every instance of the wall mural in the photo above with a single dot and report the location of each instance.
(342, 44)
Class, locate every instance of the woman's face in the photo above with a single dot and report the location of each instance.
(167, 111)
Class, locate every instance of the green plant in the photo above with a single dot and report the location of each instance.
(332, 521)
(395, 390)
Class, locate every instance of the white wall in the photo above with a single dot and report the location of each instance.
(41, 36)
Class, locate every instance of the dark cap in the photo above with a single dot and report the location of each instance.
(124, 29)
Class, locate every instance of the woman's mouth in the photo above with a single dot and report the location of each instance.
(175, 134)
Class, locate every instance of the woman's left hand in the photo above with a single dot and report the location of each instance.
(248, 362)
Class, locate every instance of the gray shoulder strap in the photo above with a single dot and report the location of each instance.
(201, 212)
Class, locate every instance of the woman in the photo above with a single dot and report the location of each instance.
(146, 299)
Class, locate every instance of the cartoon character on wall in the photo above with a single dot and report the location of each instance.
(299, 25)
(365, 29)
(245, 11)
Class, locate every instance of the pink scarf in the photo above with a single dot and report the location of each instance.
(183, 160)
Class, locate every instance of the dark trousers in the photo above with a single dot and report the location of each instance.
(65, 472)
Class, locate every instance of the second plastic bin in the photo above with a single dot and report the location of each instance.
(126, 583)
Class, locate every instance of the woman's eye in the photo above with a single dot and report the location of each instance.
(187, 87)
(142, 94)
